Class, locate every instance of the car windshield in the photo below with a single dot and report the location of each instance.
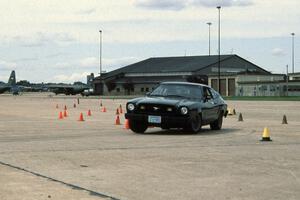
(177, 90)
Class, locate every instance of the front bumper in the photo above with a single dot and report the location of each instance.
(166, 120)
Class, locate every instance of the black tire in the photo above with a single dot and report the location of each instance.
(137, 127)
(194, 125)
(217, 124)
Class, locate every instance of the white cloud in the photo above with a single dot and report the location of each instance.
(62, 65)
(89, 62)
(161, 4)
(5, 65)
(87, 11)
(62, 78)
(182, 4)
(278, 52)
(41, 39)
(223, 3)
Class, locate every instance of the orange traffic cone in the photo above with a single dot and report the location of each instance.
(65, 107)
(126, 126)
(121, 110)
(60, 115)
(89, 113)
(117, 112)
(81, 118)
(65, 113)
(104, 109)
(118, 120)
(56, 106)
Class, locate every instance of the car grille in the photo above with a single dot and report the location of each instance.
(155, 109)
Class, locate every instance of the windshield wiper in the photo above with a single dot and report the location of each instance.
(155, 95)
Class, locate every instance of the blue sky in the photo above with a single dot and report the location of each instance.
(59, 40)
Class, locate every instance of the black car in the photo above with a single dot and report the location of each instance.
(177, 105)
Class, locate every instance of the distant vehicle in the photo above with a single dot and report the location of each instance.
(68, 89)
(88, 92)
(177, 105)
(10, 86)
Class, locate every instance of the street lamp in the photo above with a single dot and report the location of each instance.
(209, 24)
(219, 49)
(100, 62)
(293, 52)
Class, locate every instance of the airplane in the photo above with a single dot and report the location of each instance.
(68, 89)
(83, 89)
(10, 86)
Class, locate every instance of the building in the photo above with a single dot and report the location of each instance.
(142, 77)
(294, 76)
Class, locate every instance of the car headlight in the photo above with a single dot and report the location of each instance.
(184, 110)
(130, 107)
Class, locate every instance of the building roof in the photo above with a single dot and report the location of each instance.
(172, 64)
(294, 74)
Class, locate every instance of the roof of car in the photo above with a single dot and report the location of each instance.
(185, 83)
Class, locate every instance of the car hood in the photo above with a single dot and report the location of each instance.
(170, 101)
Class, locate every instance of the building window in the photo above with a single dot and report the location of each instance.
(147, 89)
(142, 89)
(118, 89)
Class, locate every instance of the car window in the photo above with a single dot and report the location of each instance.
(214, 93)
(207, 94)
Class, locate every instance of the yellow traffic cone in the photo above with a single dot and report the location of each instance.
(230, 111)
(266, 135)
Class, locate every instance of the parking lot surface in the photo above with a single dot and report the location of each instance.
(96, 159)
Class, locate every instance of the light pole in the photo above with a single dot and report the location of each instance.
(293, 52)
(209, 24)
(100, 46)
(287, 80)
(219, 50)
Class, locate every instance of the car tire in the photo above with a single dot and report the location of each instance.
(194, 125)
(137, 127)
(217, 124)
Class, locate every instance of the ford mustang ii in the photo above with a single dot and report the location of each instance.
(177, 105)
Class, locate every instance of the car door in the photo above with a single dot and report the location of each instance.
(216, 105)
(208, 106)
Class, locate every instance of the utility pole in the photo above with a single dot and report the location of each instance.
(287, 80)
(219, 50)
(100, 46)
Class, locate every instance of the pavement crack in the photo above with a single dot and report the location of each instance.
(76, 187)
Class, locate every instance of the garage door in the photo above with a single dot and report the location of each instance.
(231, 87)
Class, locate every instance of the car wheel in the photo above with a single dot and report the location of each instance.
(217, 124)
(195, 124)
(137, 127)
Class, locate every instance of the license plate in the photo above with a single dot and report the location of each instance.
(154, 119)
